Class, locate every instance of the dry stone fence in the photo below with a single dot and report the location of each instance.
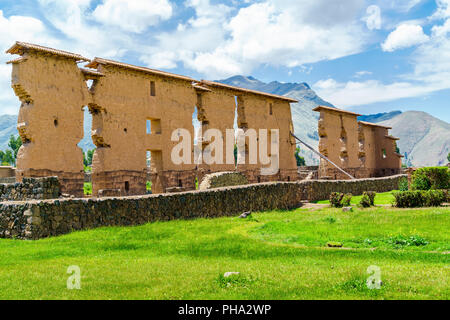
(44, 218)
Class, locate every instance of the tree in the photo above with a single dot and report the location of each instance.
(300, 160)
(6, 158)
(88, 158)
(15, 143)
(448, 157)
(9, 156)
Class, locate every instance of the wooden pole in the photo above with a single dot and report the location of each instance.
(323, 157)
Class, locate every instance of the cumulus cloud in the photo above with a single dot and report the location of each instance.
(17, 28)
(431, 71)
(221, 41)
(133, 15)
(373, 17)
(404, 36)
(443, 10)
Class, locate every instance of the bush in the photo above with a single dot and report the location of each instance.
(371, 195)
(434, 198)
(339, 200)
(431, 178)
(346, 200)
(336, 199)
(403, 184)
(365, 201)
(419, 198)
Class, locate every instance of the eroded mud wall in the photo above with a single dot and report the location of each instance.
(339, 141)
(216, 110)
(124, 101)
(52, 92)
(259, 112)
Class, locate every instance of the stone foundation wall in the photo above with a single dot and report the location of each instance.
(254, 176)
(124, 183)
(40, 219)
(8, 180)
(30, 189)
(70, 183)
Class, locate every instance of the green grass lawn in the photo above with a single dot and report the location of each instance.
(380, 199)
(279, 254)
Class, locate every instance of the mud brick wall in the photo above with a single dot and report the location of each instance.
(31, 189)
(44, 218)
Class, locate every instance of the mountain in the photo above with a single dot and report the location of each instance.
(304, 119)
(423, 138)
(379, 116)
(8, 124)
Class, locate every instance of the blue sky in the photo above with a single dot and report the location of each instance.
(361, 55)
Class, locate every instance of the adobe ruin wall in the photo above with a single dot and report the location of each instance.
(124, 101)
(361, 149)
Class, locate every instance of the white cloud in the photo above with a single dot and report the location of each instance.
(373, 17)
(354, 93)
(220, 41)
(443, 10)
(17, 28)
(362, 73)
(431, 72)
(133, 15)
(404, 36)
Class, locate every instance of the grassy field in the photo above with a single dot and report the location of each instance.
(380, 199)
(279, 254)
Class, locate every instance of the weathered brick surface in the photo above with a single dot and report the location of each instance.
(44, 218)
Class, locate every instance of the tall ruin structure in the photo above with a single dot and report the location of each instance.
(361, 148)
(135, 111)
(52, 92)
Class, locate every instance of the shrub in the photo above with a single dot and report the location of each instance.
(418, 198)
(431, 178)
(411, 241)
(346, 200)
(434, 198)
(403, 184)
(365, 201)
(336, 199)
(371, 195)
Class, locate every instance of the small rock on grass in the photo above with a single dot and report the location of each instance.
(245, 214)
(347, 209)
(334, 245)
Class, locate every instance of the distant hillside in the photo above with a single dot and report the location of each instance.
(8, 124)
(424, 138)
(379, 116)
(304, 119)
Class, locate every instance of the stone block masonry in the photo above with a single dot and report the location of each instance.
(44, 218)
(30, 189)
